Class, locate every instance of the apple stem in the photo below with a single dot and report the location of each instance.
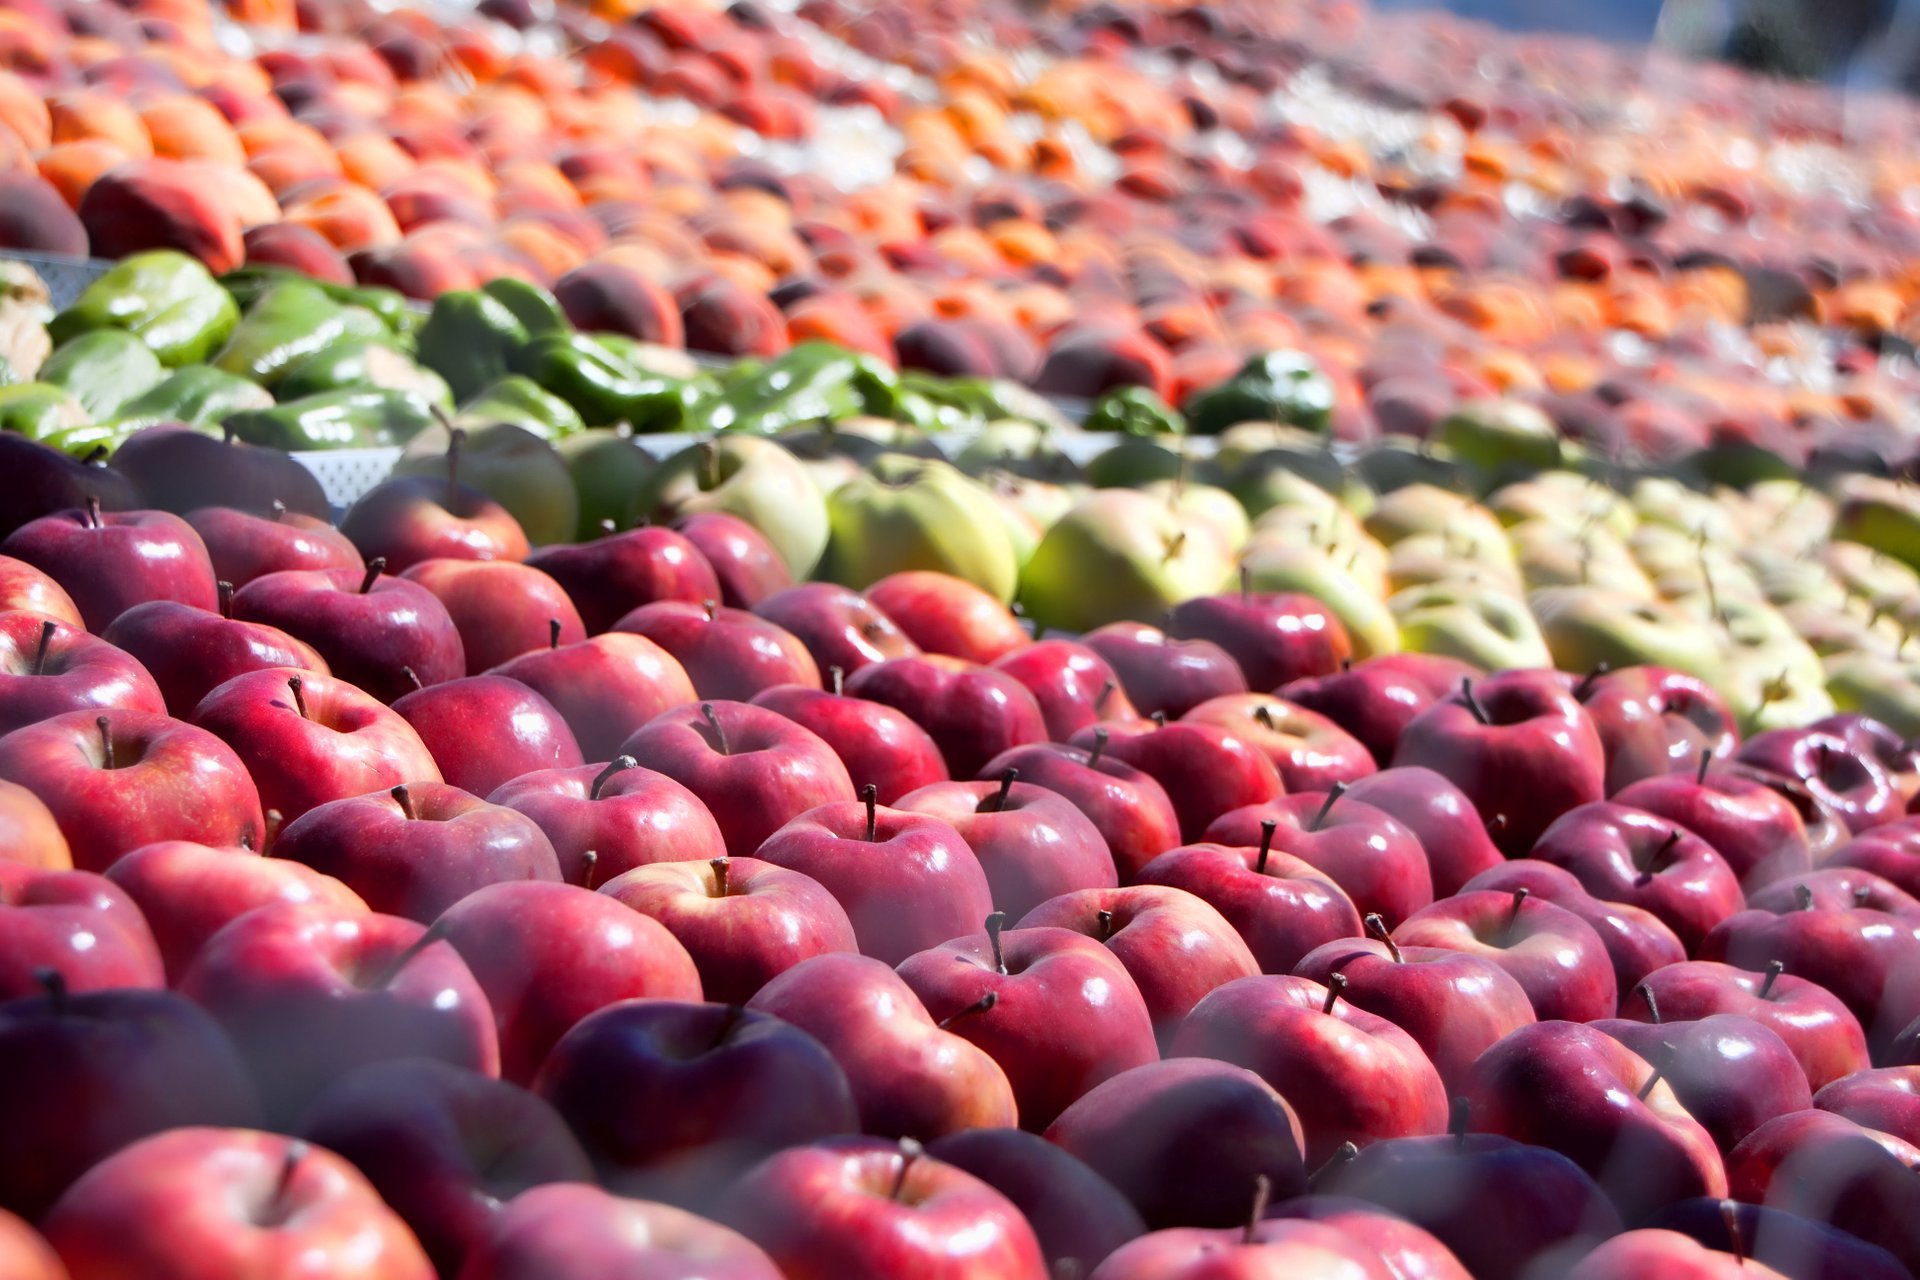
(1377, 930)
(838, 676)
(997, 802)
(1336, 983)
(1105, 918)
(1774, 969)
(1246, 583)
(553, 633)
(455, 438)
(1267, 829)
(1647, 1088)
(1730, 1219)
(105, 727)
(1803, 897)
(1263, 716)
(1459, 1120)
(1173, 545)
(909, 1152)
(1706, 761)
(1473, 704)
(432, 935)
(607, 527)
(93, 511)
(735, 1014)
(1343, 1154)
(720, 886)
(1645, 993)
(1099, 745)
(296, 1154)
(1334, 793)
(279, 509)
(1585, 687)
(1159, 719)
(54, 983)
(1107, 688)
(1659, 855)
(713, 721)
(709, 465)
(1513, 916)
(711, 607)
(995, 923)
(589, 863)
(297, 687)
(375, 567)
(1496, 824)
(275, 820)
(619, 764)
(870, 796)
(413, 677)
(405, 801)
(1262, 1190)
(981, 1005)
(47, 629)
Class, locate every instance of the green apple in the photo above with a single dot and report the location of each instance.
(1788, 582)
(1587, 627)
(1881, 514)
(835, 452)
(1347, 589)
(1139, 460)
(1549, 555)
(1396, 461)
(1121, 554)
(917, 513)
(1333, 530)
(1432, 557)
(1489, 628)
(1425, 508)
(752, 477)
(1206, 502)
(608, 469)
(1864, 571)
(1883, 686)
(1501, 437)
(1854, 627)
(1565, 498)
(1044, 501)
(1777, 686)
(1663, 500)
(511, 465)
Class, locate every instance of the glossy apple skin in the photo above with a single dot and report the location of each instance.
(1538, 756)
(839, 626)
(501, 608)
(1032, 843)
(76, 923)
(747, 565)
(879, 745)
(1823, 1035)
(126, 558)
(79, 672)
(1277, 1249)
(948, 615)
(611, 575)
(1611, 848)
(370, 638)
(566, 1229)
(1885, 1098)
(1441, 818)
(417, 858)
(211, 1204)
(914, 885)
(1206, 770)
(548, 955)
(299, 988)
(1174, 945)
(1851, 952)
(727, 653)
(1185, 1139)
(1844, 776)
(412, 518)
(1755, 830)
(1376, 861)
(744, 922)
(1496, 1203)
(169, 781)
(188, 892)
(188, 652)
(1078, 1216)
(1408, 1251)
(485, 731)
(1351, 1075)
(1067, 1015)
(1730, 1073)
(635, 817)
(1653, 1251)
(1127, 806)
(1834, 888)
(972, 712)
(346, 743)
(1311, 752)
(84, 1074)
(446, 1148)
(29, 837)
(1574, 1089)
(1637, 943)
(1376, 698)
(1280, 906)
(1879, 741)
(1073, 685)
(1275, 637)
(1891, 851)
(1159, 673)
(770, 771)
(606, 688)
(244, 546)
(1791, 1245)
(24, 589)
(828, 1211)
(1453, 1005)
(1654, 721)
(673, 1100)
(1553, 954)
(910, 1078)
(1825, 1167)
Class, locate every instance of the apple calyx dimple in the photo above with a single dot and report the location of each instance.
(1655, 860)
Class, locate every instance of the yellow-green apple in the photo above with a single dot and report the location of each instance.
(1281, 906)
(905, 514)
(1274, 566)
(1881, 514)
(1031, 842)
(1878, 685)
(972, 712)
(1207, 504)
(1500, 437)
(547, 955)
(866, 1207)
(1311, 752)
(48, 667)
(1206, 770)
(604, 820)
(566, 1228)
(1428, 508)
(1588, 628)
(501, 608)
(1352, 1076)
(1637, 941)
(29, 837)
(749, 567)
(614, 574)
(911, 1077)
(1729, 1072)
(943, 614)
(1822, 1033)
(1555, 956)
(445, 1147)
(1656, 1251)
(605, 687)
(115, 780)
(753, 479)
(1163, 675)
(1755, 829)
(1825, 1167)
(223, 1204)
(25, 589)
(309, 992)
(189, 652)
(1128, 807)
(1378, 863)
(1594, 566)
(484, 731)
(1273, 637)
(1622, 854)
(1077, 1215)
(727, 653)
(1120, 555)
(87, 1073)
(73, 924)
(1567, 498)
(880, 745)
(1072, 683)
(244, 546)
(1471, 623)
(384, 635)
(1470, 560)
(412, 518)
(839, 626)
(1374, 699)
(107, 562)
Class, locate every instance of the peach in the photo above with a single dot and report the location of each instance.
(23, 111)
(285, 168)
(351, 217)
(191, 129)
(302, 249)
(945, 347)
(1086, 363)
(413, 269)
(838, 319)
(162, 204)
(373, 160)
(610, 295)
(34, 217)
(72, 167)
(555, 253)
(76, 117)
(250, 199)
(722, 317)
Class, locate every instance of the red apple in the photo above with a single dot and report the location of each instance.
(1441, 818)
(385, 635)
(1073, 685)
(1128, 807)
(1406, 1249)
(565, 1229)
(880, 746)
(29, 837)
(603, 820)
(612, 575)
(1636, 941)
(1844, 776)
(244, 546)
(1886, 1100)
(109, 562)
(1376, 861)
(1161, 674)
(1825, 1167)
(747, 565)
(839, 626)
(189, 652)
(1654, 721)
(1756, 830)
(1792, 1245)
(1851, 952)
(47, 667)
(1553, 954)
(501, 608)
(24, 1255)
(485, 731)
(1825, 1038)
(1206, 770)
(1891, 851)
(728, 653)
(412, 518)
(74, 924)
(1656, 1252)
(1729, 1072)
(1622, 854)
(605, 688)
(1375, 699)
(1263, 1249)
(1311, 752)
(1274, 637)
(947, 615)
(1032, 843)
(973, 712)
(1281, 906)
(1078, 1216)
(24, 589)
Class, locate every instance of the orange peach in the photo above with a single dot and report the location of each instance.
(192, 129)
(162, 204)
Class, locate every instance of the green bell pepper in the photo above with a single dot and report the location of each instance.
(247, 285)
(198, 395)
(537, 310)
(38, 410)
(345, 419)
(83, 439)
(600, 386)
(166, 299)
(291, 321)
(1136, 411)
(1281, 386)
(470, 339)
(103, 370)
(525, 403)
(362, 363)
(808, 383)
